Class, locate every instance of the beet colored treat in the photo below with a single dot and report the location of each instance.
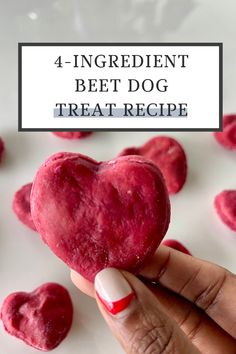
(225, 204)
(227, 138)
(72, 135)
(95, 215)
(176, 245)
(169, 156)
(1, 148)
(42, 318)
(21, 206)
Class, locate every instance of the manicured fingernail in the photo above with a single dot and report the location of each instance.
(113, 290)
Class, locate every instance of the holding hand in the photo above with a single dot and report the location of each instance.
(181, 305)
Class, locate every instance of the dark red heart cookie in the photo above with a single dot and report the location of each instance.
(176, 245)
(41, 318)
(1, 148)
(21, 206)
(72, 135)
(227, 138)
(225, 204)
(168, 155)
(95, 215)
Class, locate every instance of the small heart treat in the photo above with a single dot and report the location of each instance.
(225, 204)
(95, 215)
(72, 135)
(176, 245)
(21, 206)
(41, 318)
(1, 148)
(227, 138)
(168, 155)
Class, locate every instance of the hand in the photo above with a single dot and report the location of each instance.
(181, 305)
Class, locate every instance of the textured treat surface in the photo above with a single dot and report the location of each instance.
(227, 138)
(176, 245)
(96, 215)
(21, 205)
(72, 135)
(42, 318)
(225, 204)
(169, 156)
(1, 148)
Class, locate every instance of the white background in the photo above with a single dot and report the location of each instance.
(44, 85)
(25, 262)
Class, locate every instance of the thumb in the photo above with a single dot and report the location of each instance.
(135, 316)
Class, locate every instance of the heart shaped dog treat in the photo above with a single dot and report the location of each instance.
(21, 205)
(176, 245)
(72, 135)
(42, 318)
(1, 148)
(168, 155)
(95, 215)
(227, 138)
(225, 204)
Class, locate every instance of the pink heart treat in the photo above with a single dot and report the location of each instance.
(227, 138)
(168, 155)
(41, 318)
(225, 204)
(95, 215)
(1, 148)
(21, 206)
(176, 245)
(72, 135)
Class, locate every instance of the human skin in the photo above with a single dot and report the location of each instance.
(193, 302)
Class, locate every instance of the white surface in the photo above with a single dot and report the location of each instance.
(25, 262)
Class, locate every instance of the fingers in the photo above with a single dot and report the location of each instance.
(83, 284)
(136, 317)
(208, 286)
(203, 332)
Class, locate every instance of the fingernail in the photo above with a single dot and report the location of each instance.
(113, 290)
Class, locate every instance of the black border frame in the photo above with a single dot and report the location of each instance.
(46, 44)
